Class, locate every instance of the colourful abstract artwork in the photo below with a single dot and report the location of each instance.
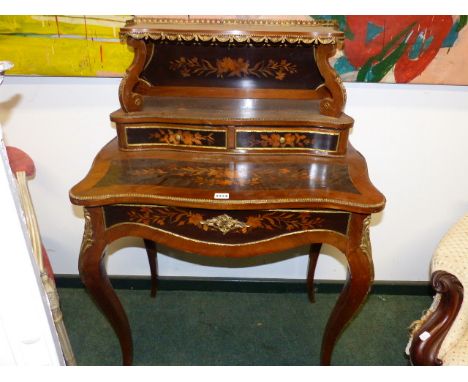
(394, 49)
(403, 49)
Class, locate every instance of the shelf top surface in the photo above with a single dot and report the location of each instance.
(233, 111)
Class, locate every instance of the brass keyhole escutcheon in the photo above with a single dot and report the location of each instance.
(282, 140)
(178, 137)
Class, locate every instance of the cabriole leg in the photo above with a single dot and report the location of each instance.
(358, 284)
(94, 277)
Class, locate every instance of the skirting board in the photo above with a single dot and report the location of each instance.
(247, 285)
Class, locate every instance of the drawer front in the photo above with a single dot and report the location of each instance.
(265, 139)
(227, 227)
(148, 136)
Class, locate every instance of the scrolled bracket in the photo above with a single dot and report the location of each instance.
(333, 104)
(130, 100)
(438, 322)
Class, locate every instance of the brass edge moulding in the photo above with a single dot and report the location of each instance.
(263, 210)
(225, 21)
(221, 202)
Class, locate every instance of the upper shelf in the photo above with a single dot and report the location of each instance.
(232, 58)
(234, 30)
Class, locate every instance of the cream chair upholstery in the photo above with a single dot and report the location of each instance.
(440, 337)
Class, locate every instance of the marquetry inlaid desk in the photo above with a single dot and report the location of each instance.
(232, 142)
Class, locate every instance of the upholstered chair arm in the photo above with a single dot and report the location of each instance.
(441, 335)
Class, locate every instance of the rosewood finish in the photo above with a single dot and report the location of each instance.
(231, 142)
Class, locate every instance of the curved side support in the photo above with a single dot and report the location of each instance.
(314, 253)
(129, 100)
(94, 277)
(360, 277)
(332, 106)
(438, 322)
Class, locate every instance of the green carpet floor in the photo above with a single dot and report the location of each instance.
(231, 328)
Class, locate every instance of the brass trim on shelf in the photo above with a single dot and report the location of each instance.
(225, 21)
(248, 38)
(333, 36)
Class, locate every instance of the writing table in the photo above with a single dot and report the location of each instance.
(232, 142)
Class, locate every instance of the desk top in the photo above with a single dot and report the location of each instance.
(253, 181)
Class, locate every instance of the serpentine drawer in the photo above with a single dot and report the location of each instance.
(226, 227)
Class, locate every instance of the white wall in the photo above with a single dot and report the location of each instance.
(415, 139)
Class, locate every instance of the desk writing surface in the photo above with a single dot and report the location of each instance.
(252, 181)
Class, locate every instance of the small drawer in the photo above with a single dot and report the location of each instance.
(289, 139)
(151, 136)
(227, 227)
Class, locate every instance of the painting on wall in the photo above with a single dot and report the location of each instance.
(64, 45)
(403, 49)
(393, 49)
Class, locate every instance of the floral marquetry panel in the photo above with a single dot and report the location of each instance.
(179, 64)
(232, 227)
(239, 176)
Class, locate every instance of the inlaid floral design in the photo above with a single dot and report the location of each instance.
(260, 177)
(268, 220)
(186, 137)
(221, 176)
(281, 140)
(232, 67)
(164, 216)
(289, 221)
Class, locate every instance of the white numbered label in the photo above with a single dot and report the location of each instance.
(221, 195)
